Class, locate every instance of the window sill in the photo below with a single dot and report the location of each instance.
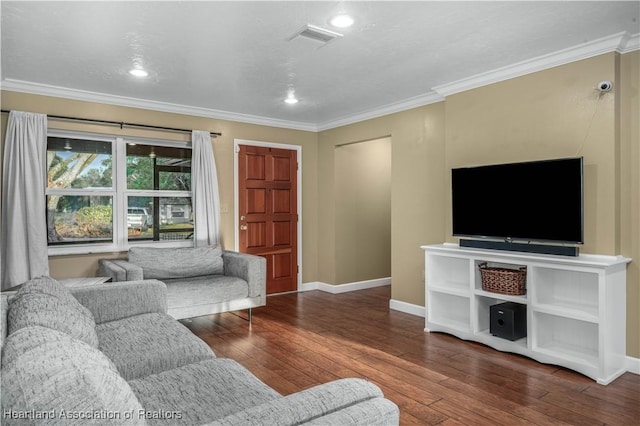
(110, 248)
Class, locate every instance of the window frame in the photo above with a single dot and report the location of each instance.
(119, 193)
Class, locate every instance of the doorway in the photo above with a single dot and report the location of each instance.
(362, 189)
(267, 178)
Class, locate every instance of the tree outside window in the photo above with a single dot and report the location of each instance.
(79, 191)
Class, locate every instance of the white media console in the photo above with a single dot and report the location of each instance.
(576, 306)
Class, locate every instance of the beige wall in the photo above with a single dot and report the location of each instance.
(558, 113)
(417, 192)
(363, 211)
(548, 114)
(552, 113)
(76, 266)
(628, 89)
(326, 197)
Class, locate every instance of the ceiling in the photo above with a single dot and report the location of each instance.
(234, 60)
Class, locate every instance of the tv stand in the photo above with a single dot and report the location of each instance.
(521, 247)
(575, 306)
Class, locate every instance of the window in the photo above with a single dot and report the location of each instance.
(80, 191)
(159, 193)
(106, 193)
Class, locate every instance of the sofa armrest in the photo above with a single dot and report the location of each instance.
(374, 412)
(4, 311)
(119, 270)
(344, 402)
(252, 269)
(112, 301)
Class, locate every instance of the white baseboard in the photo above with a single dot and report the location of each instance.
(313, 285)
(343, 288)
(407, 308)
(633, 365)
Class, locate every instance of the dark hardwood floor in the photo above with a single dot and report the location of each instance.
(304, 339)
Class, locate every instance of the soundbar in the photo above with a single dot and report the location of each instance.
(522, 247)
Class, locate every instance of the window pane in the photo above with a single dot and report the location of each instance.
(175, 179)
(174, 221)
(158, 167)
(78, 163)
(74, 219)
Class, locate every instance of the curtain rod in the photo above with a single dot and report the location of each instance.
(122, 124)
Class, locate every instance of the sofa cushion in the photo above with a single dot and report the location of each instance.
(149, 344)
(202, 392)
(161, 263)
(47, 371)
(45, 302)
(186, 292)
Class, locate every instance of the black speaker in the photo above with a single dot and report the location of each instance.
(521, 247)
(508, 320)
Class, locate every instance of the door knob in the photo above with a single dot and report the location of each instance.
(243, 227)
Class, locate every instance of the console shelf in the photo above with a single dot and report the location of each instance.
(576, 306)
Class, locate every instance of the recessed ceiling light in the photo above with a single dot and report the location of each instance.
(138, 72)
(291, 97)
(341, 21)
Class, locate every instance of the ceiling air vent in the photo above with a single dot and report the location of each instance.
(315, 33)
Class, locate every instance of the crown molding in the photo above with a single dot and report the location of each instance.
(83, 95)
(406, 104)
(631, 44)
(621, 42)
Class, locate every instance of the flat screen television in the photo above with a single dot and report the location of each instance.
(535, 201)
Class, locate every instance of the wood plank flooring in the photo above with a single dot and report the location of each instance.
(303, 339)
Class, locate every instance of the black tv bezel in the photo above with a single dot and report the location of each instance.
(514, 239)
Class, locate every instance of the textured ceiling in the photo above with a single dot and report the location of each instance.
(234, 59)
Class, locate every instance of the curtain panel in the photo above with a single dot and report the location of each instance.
(24, 179)
(205, 194)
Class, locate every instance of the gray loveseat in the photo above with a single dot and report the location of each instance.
(109, 354)
(200, 281)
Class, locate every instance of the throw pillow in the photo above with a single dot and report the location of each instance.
(167, 263)
(45, 285)
(49, 373)
(45, 302)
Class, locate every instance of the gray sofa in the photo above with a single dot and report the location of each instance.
(200, 281)
(109, 354)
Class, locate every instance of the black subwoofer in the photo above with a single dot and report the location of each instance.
(508, 320)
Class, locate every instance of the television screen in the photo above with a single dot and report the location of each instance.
(530, 201)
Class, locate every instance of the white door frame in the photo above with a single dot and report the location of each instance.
(236, 203)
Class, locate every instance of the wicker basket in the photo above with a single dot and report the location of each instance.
(504, 280)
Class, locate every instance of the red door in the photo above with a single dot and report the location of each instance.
(267, 198)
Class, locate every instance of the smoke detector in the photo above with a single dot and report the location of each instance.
(315, 33)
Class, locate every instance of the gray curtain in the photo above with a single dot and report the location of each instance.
(204, 190)
(24, 179)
